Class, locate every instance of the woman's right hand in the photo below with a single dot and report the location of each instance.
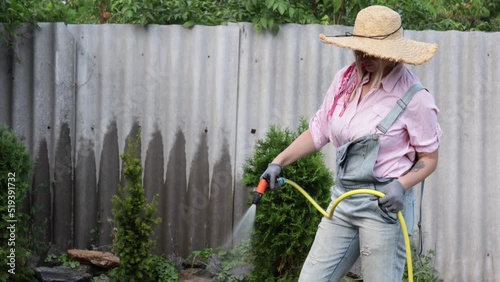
(272, 174)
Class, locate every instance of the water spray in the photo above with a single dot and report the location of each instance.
(263, 185)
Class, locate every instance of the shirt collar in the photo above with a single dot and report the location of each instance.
(390, 80)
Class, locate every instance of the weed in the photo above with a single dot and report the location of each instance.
(423, 269)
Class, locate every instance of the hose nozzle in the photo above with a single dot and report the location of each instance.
(262, 187)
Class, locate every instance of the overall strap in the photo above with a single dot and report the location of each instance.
(399, 108)
(419, 224)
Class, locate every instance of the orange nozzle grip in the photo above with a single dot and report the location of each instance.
(261, 188)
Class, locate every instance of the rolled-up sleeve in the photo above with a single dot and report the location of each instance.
(318, 124)
(422, 123)
(316, 128)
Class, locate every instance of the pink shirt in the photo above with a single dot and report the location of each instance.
(417, 129)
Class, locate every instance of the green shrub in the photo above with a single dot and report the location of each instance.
(15, 168)
(135, 221)
(285, 222)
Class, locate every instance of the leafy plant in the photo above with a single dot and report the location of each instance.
(164, 270)
(52, 259)
(285, 222)
(203, 254)
(65, 260)
(15, 169)
(135, 221)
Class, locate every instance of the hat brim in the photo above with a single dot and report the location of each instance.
(399, 50)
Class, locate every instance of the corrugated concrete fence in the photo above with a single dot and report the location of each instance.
(201, 98)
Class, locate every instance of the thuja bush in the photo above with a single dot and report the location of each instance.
(135, 221)
(15, 168)
(285, 222)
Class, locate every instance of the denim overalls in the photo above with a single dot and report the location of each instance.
(359, 226)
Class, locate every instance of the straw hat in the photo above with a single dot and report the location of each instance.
(378, 32)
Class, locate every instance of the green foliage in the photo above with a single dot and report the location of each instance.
(285, 223)
(14, 13)
(164, 270)
(268, 14)
(187, 13)
(135, 221)
(85, 11)
(481, 15)
(15, 169)
(465, 15)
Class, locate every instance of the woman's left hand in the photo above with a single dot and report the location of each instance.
(393, 200)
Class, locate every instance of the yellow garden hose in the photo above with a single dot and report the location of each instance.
(355, 192)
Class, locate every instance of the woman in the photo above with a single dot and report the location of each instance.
(384, 126)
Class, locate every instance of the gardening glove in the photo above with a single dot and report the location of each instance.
(271, 175)
(394, 196)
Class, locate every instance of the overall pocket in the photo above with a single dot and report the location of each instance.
(386, 216)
